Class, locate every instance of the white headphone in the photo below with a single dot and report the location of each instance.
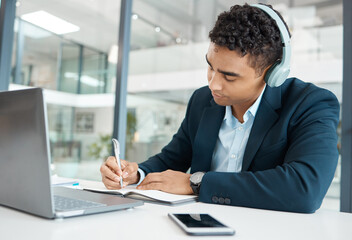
(278, 72)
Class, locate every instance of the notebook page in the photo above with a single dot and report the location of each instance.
(153, 194)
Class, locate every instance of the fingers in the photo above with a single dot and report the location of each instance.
(108, 173)
(123, 164)
(112, 164)
(111, 173)
(168, 181)
(130, 173)
(152, 186)
(111, 184)
(129, 169)
(150, 180)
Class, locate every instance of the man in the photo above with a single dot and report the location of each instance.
(247, 144)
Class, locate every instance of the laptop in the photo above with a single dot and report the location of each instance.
(25, 182)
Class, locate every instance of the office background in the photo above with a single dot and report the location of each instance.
(127, 69)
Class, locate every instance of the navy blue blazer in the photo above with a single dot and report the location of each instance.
(290, 158)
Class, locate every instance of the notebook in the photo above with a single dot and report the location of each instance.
(153, 196)
(25, 182)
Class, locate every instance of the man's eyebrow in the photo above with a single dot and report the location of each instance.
(221, 71)
(229, 73)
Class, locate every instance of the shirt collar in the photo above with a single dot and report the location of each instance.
(252, 109)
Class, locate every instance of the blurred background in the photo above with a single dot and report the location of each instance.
(70, 49)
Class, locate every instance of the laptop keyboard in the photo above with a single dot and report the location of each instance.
(69, 204)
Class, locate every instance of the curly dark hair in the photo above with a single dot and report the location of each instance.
(249, 30)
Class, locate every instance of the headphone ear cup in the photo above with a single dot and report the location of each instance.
(276, 74)
(269, 73)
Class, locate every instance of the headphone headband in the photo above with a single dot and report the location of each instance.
(278, 73)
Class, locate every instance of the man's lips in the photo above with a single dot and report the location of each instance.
(216, 95)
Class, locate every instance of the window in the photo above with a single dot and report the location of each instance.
(73, 67)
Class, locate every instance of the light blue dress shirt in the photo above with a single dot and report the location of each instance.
(141, 175)
(232, 139)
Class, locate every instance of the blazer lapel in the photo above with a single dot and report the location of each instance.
(206, 137)
(264, 120)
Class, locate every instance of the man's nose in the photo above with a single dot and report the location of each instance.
(215, 82)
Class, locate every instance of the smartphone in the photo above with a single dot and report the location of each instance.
(200, 224)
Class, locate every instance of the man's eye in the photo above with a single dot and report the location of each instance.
(230, 79)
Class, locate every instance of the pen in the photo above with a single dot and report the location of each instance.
(117, 155)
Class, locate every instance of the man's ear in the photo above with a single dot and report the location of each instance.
(262, 73)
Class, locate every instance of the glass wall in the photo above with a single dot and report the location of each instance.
(71, 62)
(64, 65)
(170, 39)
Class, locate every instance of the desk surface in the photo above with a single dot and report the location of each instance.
(151, 222)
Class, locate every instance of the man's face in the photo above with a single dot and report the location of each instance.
(231, 80)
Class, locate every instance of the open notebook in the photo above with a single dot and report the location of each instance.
(146, 195)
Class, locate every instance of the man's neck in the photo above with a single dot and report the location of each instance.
(238, 111)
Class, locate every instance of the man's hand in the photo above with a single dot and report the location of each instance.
(111, 173)
(167, 181)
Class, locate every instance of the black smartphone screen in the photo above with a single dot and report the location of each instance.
(198, 220)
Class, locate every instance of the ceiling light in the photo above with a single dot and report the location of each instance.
(157, 29)
(50, 22)
(178, 40)
(30, 30)
(17, 3)
(134, 16)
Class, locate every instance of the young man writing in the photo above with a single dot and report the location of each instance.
(247, 143)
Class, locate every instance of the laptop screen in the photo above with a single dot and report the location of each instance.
(24, 156)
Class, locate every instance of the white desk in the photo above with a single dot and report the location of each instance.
(151, 222)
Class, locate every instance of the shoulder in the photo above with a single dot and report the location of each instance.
(295, 89)
(201, 97)
(303, 100)
(203, 93)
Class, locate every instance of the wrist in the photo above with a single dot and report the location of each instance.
(136, 178)
(141, 176)
(189, 190)
(195, 181)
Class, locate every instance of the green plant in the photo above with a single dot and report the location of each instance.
(102, 148)
(131, 129)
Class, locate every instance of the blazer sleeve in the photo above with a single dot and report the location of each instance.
(301, 182)
(177, 154)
